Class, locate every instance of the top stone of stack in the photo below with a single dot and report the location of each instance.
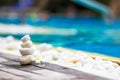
(26, 38)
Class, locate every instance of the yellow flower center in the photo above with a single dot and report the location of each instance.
(38, 58)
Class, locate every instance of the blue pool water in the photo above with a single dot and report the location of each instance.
(68, 42)
(93, 34)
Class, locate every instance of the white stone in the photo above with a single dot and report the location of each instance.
(9, 38)
(115, 65)
(118, 70)
(44, 46)
(26, 51)
(108, 67)
(99, 68)
(27, 44)
(25, 38)
(26, 59)
(78, 64)
(98, 59)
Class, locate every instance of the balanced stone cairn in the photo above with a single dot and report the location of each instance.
(26, 50)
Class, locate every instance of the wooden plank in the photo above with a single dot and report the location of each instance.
(27, 75)
(51, 75)
(8, 76)
(56, 68)
(11, 57)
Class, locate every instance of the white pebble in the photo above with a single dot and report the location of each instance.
(108, 67)
(25, 38)
(26, 51)
(44, 46)
(118, 70)
(98, 59)
(27, 44)
(88, 66)
(9, 38)
(26, 59)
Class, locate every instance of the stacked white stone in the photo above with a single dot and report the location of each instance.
(26, 50)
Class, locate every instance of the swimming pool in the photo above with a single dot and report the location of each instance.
(93, 34)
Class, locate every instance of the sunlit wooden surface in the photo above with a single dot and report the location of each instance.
(11, 69)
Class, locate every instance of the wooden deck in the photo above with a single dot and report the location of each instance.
(11, 69)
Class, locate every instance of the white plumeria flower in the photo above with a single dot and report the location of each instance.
(36, 58)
